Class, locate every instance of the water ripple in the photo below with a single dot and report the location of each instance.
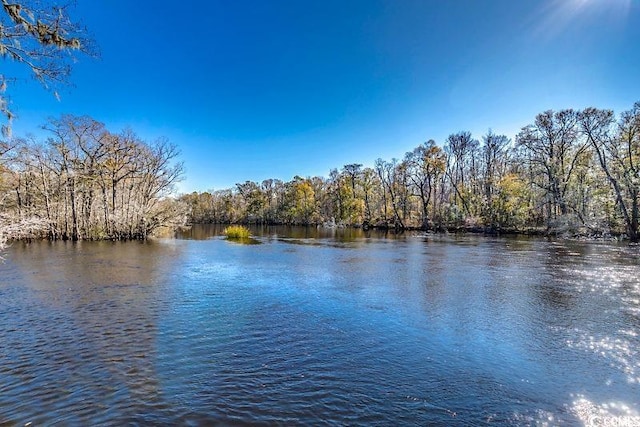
(412, 331)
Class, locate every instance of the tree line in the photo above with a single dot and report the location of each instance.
(85, 182)
(570, 171)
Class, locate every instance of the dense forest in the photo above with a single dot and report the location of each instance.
(569, 172)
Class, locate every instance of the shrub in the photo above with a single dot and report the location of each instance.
(236, 232)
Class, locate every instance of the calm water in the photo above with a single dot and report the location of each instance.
(335, 328)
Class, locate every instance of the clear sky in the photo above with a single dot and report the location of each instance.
(256, 89)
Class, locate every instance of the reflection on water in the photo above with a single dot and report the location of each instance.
(318, 326)
(79, 330)
(292, 233)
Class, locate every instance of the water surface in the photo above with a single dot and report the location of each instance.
(336, 327)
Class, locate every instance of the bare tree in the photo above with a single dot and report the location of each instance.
(426, 163)
(370, 185)
(461, 151)
(43, 38)
(553, 149)
(495, 153)
(618, 151)
(392, 175)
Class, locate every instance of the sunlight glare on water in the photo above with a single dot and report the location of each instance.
(611, 414)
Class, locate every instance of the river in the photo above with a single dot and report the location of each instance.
(329, 327)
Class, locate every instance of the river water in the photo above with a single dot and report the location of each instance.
(337, 327)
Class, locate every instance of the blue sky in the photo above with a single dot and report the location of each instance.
(256, 89)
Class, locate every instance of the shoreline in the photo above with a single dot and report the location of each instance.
(474, 230)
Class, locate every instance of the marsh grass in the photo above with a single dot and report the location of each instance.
(237, 232)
